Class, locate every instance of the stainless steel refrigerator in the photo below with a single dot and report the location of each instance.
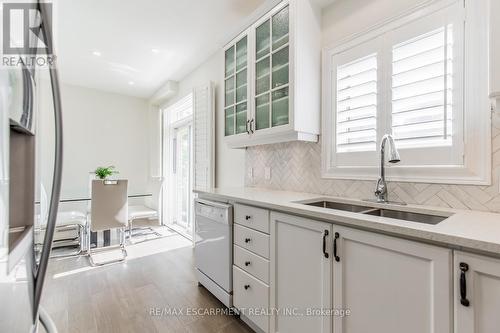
(23, 265)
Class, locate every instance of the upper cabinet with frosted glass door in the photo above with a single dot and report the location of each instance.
(236, 87)
(284, 80)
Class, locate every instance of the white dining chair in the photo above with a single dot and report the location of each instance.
(144, 217)
(70, 228)
(109, 210)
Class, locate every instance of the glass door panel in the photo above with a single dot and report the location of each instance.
(262, 112)
(262, 39)
(241, 54)
(229, 116)
(280, 67)
(241, 86)
(262, 76)
(280, 107)
(229, 65)
(241, 118)
(280, 28)
(182, 174)
(230, 91)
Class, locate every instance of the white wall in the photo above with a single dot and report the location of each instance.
(229, 163)
(346, 17)
(100, 129)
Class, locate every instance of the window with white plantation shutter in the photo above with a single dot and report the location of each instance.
(356, 118)
(420, 77)
(422, 90)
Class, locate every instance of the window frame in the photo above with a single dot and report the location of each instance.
(471, 164)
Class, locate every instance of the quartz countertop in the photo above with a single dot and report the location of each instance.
(462, 229)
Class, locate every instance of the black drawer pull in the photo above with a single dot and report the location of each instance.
(463, 284)
(248, 217)
(325, 234)
(246, 286)
(248, 240)
(337, 258)
(247, 263)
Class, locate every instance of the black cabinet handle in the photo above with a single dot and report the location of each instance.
(463, 284)
(248, 131)
(251, 123)
(246, 286)
(337, 258)
(248, 217)
(247, 263)
(325, 234)
(247, 240)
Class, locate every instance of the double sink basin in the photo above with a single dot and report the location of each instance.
(382, 212)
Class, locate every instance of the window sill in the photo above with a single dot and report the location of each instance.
(458, 175)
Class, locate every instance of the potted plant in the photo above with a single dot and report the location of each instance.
(104, 172)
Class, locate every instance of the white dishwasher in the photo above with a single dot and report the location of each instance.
(213, 250)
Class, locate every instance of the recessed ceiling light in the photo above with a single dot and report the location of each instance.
(155, 50)
(96, 53)
(131, 83)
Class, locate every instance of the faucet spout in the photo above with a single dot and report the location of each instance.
(381, 188)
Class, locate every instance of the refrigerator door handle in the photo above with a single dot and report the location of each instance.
(58, 160)
(47, 322)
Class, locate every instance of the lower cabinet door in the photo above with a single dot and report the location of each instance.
(477, 293)
(301, 275)
(390, 285)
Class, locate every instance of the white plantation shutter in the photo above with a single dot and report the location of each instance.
(422, 90)
(204, 140)
(356, 119)
(430, 91)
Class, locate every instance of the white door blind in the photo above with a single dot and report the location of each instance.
(422, 90)
(356, 119)
(204, 137)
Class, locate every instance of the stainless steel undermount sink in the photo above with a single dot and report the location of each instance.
(382, 212)
(339, 206)
(407, 216)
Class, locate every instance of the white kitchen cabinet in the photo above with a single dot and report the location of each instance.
(477, 293)
(390, 285)
(301, 274)
(275, 97)
(494, 40)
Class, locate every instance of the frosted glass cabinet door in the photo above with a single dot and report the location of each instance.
(272, 71)
(236, 87)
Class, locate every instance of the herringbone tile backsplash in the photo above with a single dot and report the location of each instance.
(296, 166)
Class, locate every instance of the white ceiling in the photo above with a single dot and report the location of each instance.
(125, 32)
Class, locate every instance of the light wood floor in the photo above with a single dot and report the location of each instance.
(119, 297)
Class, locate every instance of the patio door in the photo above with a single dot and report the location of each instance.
(182, 166)
(178, 166)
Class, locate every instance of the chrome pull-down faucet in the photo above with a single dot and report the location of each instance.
(381, 189)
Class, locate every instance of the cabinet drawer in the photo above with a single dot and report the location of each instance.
(252, 240)
(252, 263)
(252, 217)
(249, 296)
